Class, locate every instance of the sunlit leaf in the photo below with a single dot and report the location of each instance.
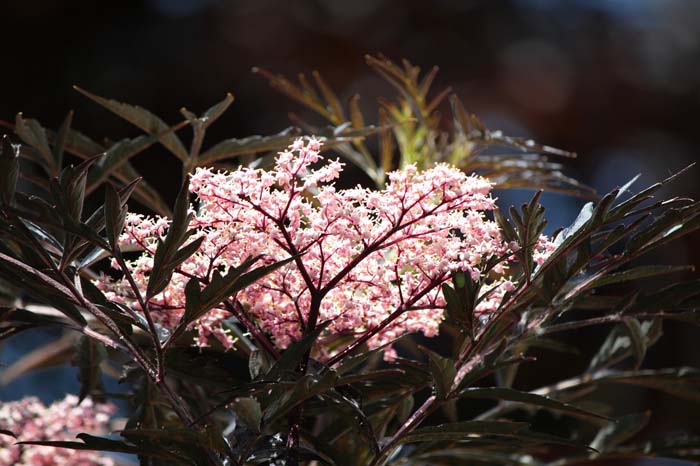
(511, 395)
(143, 119)
(617, 432)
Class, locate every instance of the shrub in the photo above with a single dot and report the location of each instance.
(318, 289)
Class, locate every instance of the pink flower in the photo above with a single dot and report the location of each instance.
(543, 249)
(365, 253)
(31, 420)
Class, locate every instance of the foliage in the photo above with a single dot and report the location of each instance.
(412, 126)
(327, 394)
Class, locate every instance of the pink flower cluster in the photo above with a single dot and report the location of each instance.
(31, 420)
(360, 254)
(542, 250)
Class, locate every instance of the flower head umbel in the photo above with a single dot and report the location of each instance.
(31, 420)
(363, 258)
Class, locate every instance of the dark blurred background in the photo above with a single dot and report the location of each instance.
(617, 81)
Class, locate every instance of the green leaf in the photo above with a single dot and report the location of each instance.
(60, 141)
(618, 432)
(41, 286)
(582, 219)
(600, 213)
(306, 95)
(90, 442)
(670, 297)
(504, 225)
(142, 118)
(379, 376)
(168, 254)
(306, 454)
(638, 337)
(619, 343)
(114, 215)
(96, 221)
(70, 192)
(177, 231)
(529, 225)
(169, 263)
(620, 210)
(14, 316)
(683, 446)
(355, 414)
(443, 371)
(638, 273)
(88, 356)
(625, 187)
(248, 412)
(463, 430)
(454, 456)
(84, 147)
(15, 321)
(682, 382)
(330, 97)
(122, 318)
(539, 438)
(185, 443)
(552, 345)
(511, 395)
(222, 287)
(518, 435)
(306, 387)
(33, 134)
(9, 170)
(210, 368)
(79, 144)
(258, 363)
(213, 113)
(461, 301)
(294, 353)
(352, 362)
(118, 154)
(662, 225)
(405, 409)
(246, 146)
(219, 289)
